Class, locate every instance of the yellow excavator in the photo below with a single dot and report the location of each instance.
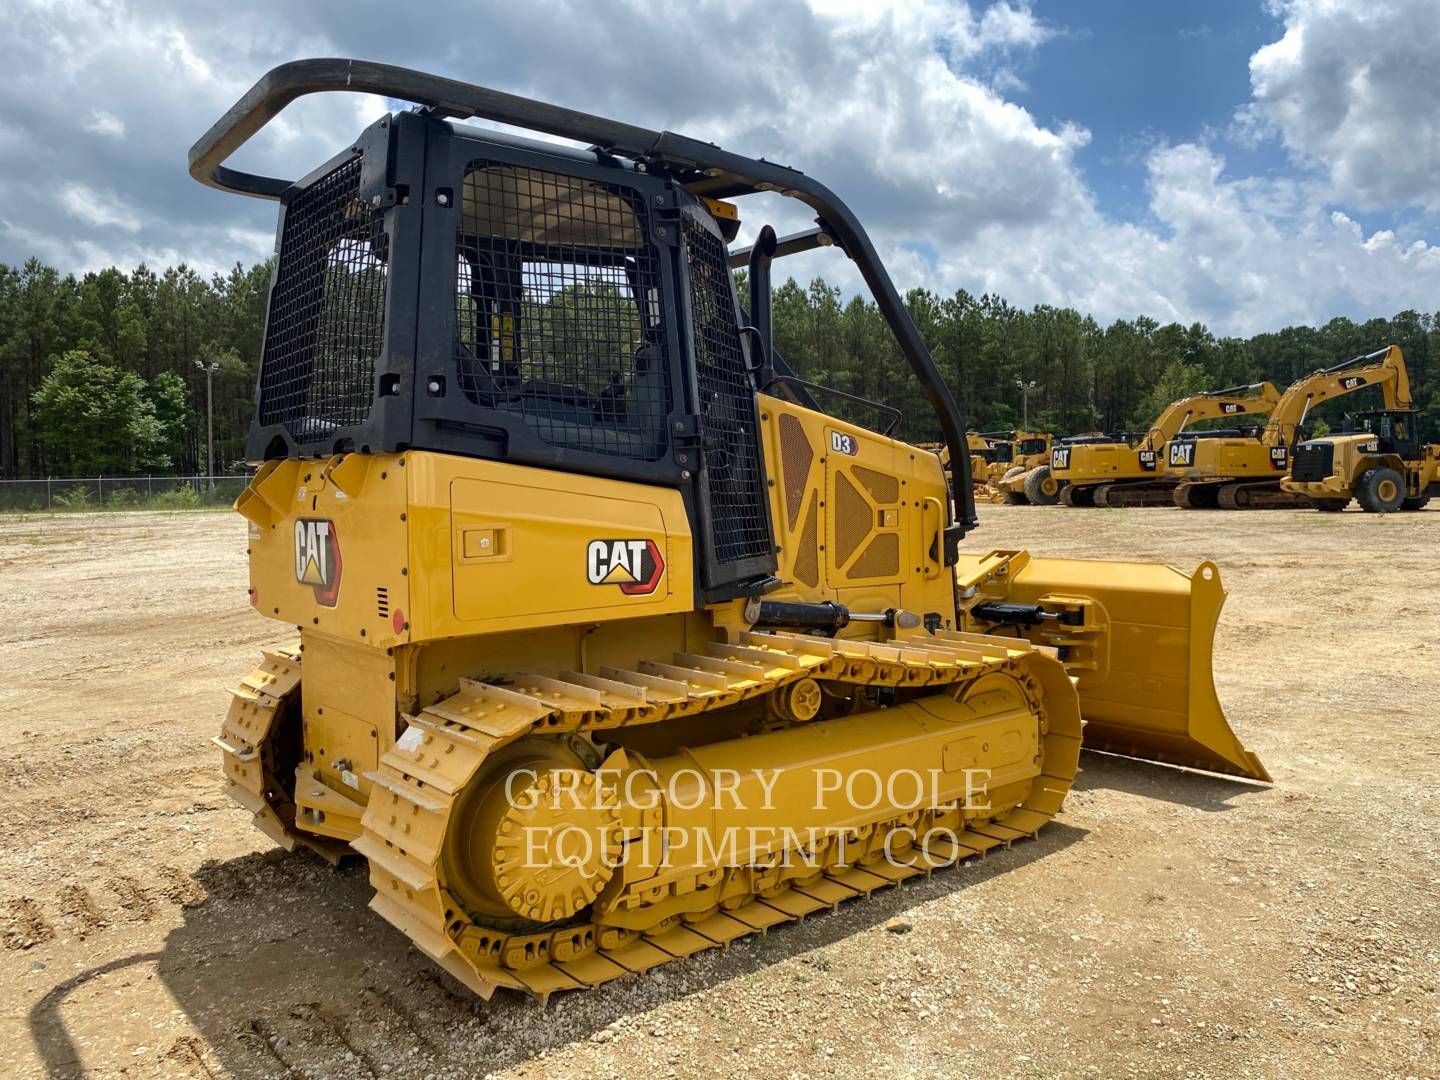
(1378, 460)
(1121, 473)
(613, 644)
(1245, 473)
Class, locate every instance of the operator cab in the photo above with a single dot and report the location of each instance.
(1397, 431)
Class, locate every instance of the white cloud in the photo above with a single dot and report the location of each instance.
(105, 123)
(98, 208)
(1352, 86)
(899, 107)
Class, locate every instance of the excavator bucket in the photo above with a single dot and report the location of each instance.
(1139, 638)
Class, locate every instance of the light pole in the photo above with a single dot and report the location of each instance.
(209, 370)
(1025, 388)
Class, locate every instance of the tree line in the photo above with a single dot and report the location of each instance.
(98, 371)
(1086, 376)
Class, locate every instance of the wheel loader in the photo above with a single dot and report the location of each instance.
(1245, 473)
(613, 645)
(1031, 450)
(1382, 465)
(1116, 474)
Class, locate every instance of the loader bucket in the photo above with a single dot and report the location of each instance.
(1143, 659)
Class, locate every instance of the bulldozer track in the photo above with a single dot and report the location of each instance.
(134, 900)
(421, 778)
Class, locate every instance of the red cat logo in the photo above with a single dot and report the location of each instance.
(635, 565)
(317, 559)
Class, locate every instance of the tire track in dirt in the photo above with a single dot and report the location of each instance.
(181, 889)
(27, 925)
(265, 1045)
(29, 922)
(384, 1003)
(79, 909)
(189, 1052)
(332, 1029)
(134, 901)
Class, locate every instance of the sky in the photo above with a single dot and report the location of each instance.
(1248, 164)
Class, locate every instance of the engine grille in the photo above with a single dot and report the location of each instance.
(325, 329)
(727, 405)
(1312, 462)
(557, 309)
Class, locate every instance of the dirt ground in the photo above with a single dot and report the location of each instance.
(1168, 924)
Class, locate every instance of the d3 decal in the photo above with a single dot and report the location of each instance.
(317, 559)
(636, 566)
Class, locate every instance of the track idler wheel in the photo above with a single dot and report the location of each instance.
(539, 837)
(1077, 496)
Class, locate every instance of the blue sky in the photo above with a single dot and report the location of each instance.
(1245, 163)
(1135, 73)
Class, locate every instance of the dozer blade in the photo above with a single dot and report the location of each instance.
(1143, 660)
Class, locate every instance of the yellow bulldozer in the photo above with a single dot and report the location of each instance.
(1378, 461)
(613, 645)
(991, 453)
(1245, 473)
(1120, 473)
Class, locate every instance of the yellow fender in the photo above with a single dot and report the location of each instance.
(1141, 659)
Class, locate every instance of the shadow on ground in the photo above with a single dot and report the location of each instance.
(1168, 783)
(284, 970)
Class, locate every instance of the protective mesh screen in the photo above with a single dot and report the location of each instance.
(327, 310)
(727, 404)
(557, 309)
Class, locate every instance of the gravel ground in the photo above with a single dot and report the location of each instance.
(1167, 924)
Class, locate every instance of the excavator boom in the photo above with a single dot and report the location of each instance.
(1384, 368)
(1112, 473)
(1257, 399)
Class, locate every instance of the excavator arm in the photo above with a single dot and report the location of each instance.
(1384, 368)
(1256, 398)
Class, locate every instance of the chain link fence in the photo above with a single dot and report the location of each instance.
(120, 493)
